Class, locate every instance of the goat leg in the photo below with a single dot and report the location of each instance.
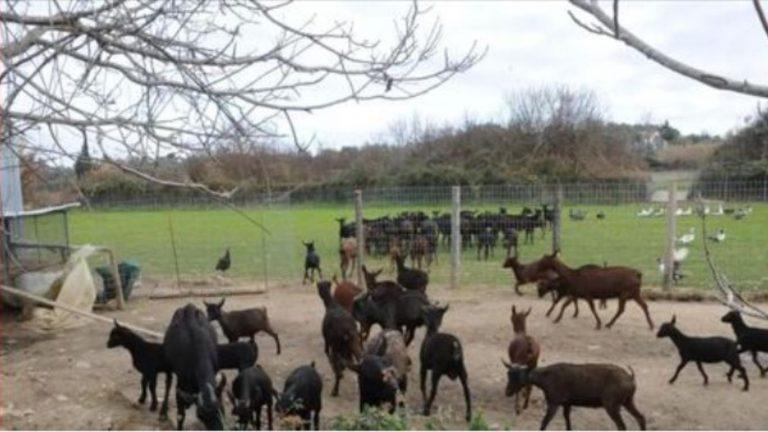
(591, 304)
(757, 363)
(551, 411)
(432, 393)
(153, 392)
(164, 406)
(615, 414)
(677, 371)
(704, 374)
(619, 311)
(555, 301)
(567, 416)
(562, 309)
(575, 308)
(467, 397)
(630, 406)
(274, 335)
(423, 383)
(143, 396)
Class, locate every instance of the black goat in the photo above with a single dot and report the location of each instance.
(377, 382)
(237, 355)
(251, 390)
(584, 385)
(486, 242)
(302, 396)
(703, 350)
(750, 339)
(148, 358)
(342, 340)
(190, 347)
(311, 263)
(410, 278)
(441, 353)
(241, 323)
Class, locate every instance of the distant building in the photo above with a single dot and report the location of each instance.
(649, 140)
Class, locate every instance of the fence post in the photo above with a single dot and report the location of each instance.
(359, 235)
(556, 222)
(455, 235)
(765, 188)
(669, 257)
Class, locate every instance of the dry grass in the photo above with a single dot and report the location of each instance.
(690, 156)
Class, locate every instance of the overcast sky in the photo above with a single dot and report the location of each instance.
(535, 43)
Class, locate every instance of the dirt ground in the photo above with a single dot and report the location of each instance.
(72, 381)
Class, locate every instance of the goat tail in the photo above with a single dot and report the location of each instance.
(631, 372)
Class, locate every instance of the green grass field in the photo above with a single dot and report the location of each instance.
(201, 236)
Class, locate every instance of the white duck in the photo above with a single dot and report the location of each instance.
(679, 255)
(719, 237)
(688, 238)
(659, 212)
(719, 211)
(645, 212)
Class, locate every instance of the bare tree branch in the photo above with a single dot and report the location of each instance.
(729, 296)
(606, 24)
(761, 15)
(151, 78)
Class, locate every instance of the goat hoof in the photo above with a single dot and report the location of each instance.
(153, 407)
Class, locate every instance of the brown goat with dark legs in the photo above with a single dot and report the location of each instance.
(599, 283)
(523, 351)
(582, 385)
(347, 256)
(344, 292)
(525, 273)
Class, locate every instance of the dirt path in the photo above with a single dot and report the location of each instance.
(71, 381)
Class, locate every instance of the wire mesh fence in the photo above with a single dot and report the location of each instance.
(601, 223)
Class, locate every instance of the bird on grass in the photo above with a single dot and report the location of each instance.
(688, 238)
(678, 256)
(719, 237)
(224, 262)
(601, 215)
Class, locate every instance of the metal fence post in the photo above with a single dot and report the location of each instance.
(359, 235)
(455, 235)
(669, 257)
(557, 220)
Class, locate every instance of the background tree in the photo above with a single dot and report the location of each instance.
(194, 77)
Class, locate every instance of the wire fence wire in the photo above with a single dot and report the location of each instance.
(601, 223)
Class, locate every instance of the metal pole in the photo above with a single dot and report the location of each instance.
(455, 236)
(359, 235)
(669, 257)
(557, 222)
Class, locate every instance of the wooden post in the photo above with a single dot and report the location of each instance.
(359, 235)
(120, 298)
(69, 308)
(173, 248)
(669, 256)
(455, 235)
(557, 222)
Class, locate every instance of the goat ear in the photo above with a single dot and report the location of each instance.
(514, 312)
(528, 312)
(445, 308)
(117, 325)
(674, 319)
(506, 364)
(221, 303)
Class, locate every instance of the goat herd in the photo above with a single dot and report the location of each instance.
(190, 350)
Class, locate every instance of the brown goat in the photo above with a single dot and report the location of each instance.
(347, 255)
(525, 273)
(579, 385)
(395, 250)
(344, 293)
(599, 283)
(420, 251)
(523, 351)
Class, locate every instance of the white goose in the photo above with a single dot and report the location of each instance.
(688, 238)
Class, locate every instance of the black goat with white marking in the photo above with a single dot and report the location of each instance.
(302, 396)
(750, 339)
(148, 358)
(703, 350)
(311, 263)
(441, 353)
(251, 390)
(190, 347)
